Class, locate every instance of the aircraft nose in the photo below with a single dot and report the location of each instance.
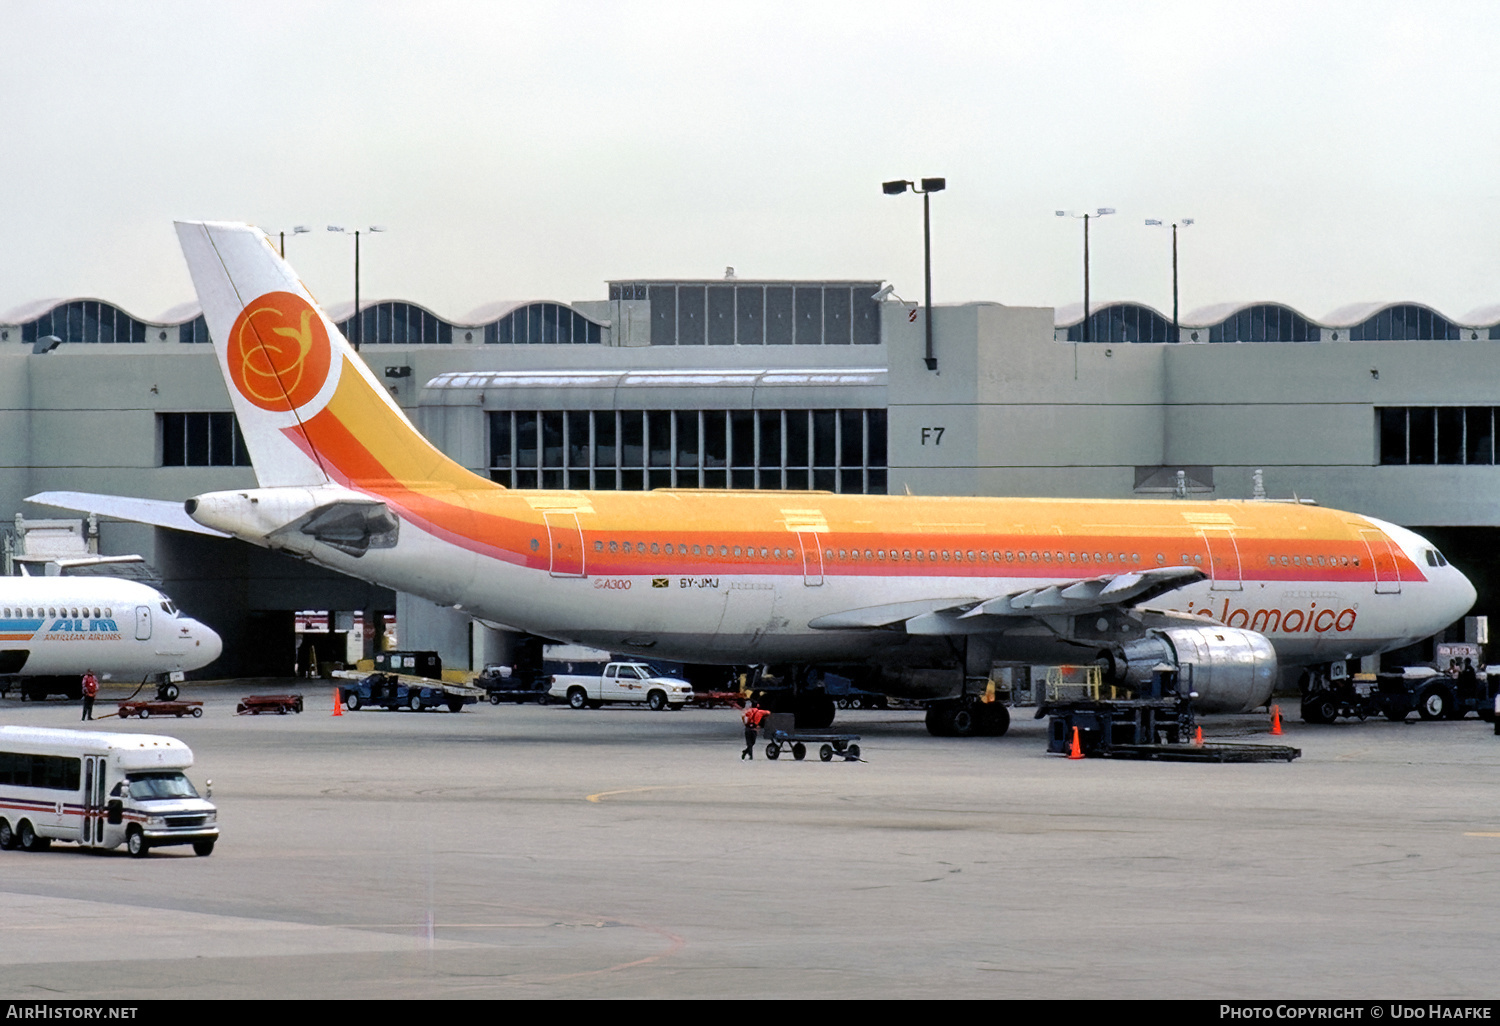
(1462, 591)
(209, 645)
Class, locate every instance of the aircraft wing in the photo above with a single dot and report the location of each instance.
(977, 615)
(156, 512)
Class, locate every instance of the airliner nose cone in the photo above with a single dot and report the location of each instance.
(209, 646)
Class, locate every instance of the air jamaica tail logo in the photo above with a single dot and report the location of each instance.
(279, 352)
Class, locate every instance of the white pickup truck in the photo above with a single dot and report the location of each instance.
(622, 682)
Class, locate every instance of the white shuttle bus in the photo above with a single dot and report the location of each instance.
(99, 790)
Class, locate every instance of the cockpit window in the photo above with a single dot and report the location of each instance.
(1434, 557)
(151, 787)
(168, 608)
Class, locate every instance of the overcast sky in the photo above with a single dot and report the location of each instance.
(1330, 152)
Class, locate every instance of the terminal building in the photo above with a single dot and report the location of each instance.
(1384, 409)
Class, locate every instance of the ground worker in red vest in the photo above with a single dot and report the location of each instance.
(90, 689)
(753, 715)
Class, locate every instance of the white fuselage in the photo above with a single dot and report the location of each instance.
(61, 626)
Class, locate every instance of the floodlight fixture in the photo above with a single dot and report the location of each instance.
(929, 185)
(1181, 222)
(1086, 217)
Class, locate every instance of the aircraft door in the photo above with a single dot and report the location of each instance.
(565, 540)
(142, 623)
(1387, 573)
(812, 558)
(1224, 560)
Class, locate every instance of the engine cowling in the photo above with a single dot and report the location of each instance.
(1231, 670)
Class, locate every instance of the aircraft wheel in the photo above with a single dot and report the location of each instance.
(996, 720)
(937, 720)
(963, 722)
(169, 692)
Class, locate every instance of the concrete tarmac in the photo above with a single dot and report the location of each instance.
(542, 852)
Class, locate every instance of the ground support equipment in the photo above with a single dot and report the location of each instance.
(782, 735)
(279, 704)
(146, 710)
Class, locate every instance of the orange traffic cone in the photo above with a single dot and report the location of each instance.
(1275, 721)
(1076, 751)
(1198, 736)
(338, 702)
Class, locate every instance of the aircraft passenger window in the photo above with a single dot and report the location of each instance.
(655, 548)
(669, 548)
(1097, 558)
(723, 550)
(1072, 557)
(946, 556)
(971, 556)
(1109, 557)
(984, 557)
(598, 546)
(1197, 557)
(1320, 561)
(931, 556)
(108, 611)
(763, 552)
(920, 555)
(880, 554)
(1161, 559)
(906, 555)
(696, 551)
(614, 546)
(1035, 556)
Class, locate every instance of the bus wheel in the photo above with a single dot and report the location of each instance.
(136, 843)
(30, 841)
(7, 836)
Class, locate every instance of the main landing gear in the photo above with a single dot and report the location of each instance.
(967, 717)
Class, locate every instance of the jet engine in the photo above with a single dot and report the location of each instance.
(1227, 669)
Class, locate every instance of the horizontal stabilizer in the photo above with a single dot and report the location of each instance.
(156, 512)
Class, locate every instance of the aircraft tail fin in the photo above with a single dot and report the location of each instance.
(309, 409)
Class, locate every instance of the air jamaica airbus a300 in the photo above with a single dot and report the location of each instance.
(908, 595)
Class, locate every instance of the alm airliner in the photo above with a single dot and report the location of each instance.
(909, 595)
(53, 629)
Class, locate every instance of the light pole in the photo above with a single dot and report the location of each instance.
(359, 322)
(929, 185)
(1100, 212)
(1184, 222)
(300, 229)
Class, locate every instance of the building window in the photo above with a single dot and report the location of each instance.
(85, 321)
(396, 324)
(543, 324)
(633, 450)
(694, 313)
(1427, 435)
(201, 440)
